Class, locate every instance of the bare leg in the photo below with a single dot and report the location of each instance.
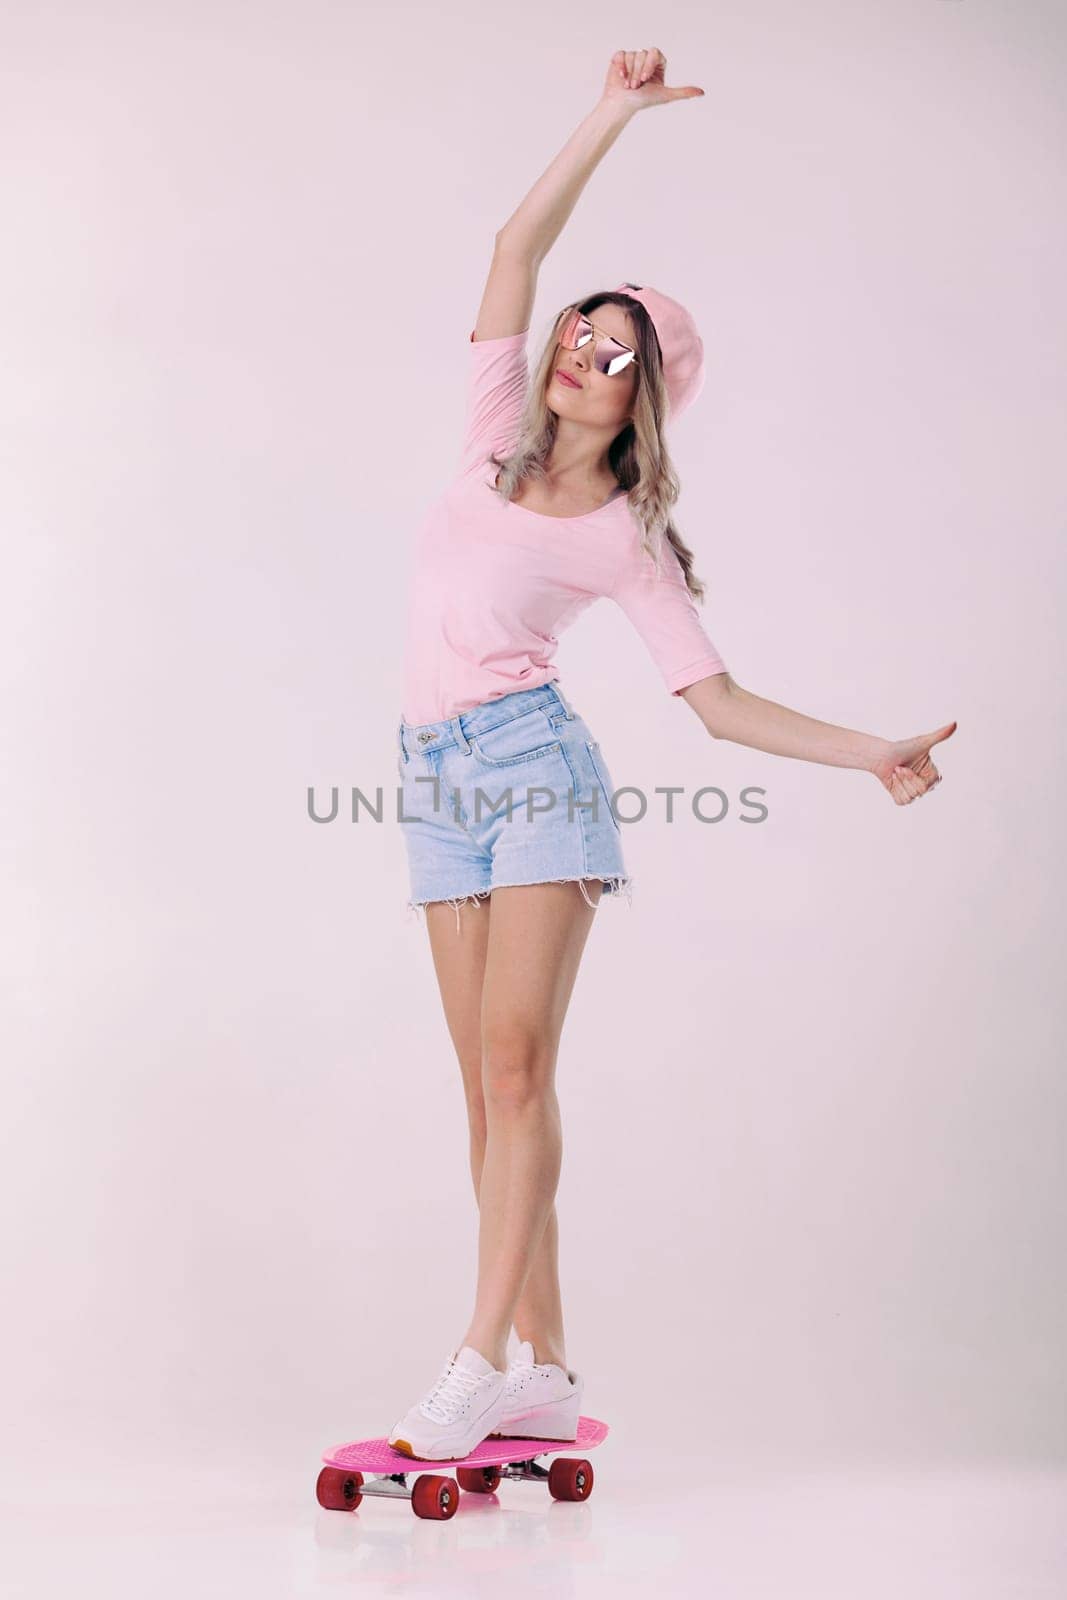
(460, 965)
(536, 938)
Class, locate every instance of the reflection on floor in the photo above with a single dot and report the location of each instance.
(658, 1529)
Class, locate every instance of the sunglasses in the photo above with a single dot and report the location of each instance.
(610, 356)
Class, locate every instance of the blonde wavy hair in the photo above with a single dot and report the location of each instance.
(638, 454)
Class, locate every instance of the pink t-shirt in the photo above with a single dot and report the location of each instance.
(495, 584)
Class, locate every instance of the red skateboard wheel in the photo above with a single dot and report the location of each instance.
(434, 1497)
(570, 1480)
(479, 1480)
(338, 1490)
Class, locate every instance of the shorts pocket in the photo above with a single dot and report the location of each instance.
(603, 777)
(511, 743)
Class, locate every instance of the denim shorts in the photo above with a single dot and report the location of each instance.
(513, 791)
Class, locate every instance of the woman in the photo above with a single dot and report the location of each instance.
(563, 495)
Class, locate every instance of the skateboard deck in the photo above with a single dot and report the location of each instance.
(435, 1493)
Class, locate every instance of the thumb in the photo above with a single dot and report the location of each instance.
(687, 93)
(943, 733)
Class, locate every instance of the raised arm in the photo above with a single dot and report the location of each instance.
(634, 81)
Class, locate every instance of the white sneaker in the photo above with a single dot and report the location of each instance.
(462, 1409)
(542, 1400)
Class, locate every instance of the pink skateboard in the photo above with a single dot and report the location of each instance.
(341, 1485)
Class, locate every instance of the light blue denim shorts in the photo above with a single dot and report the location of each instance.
(514, 791)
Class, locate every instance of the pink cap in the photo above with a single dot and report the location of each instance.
(680, 344)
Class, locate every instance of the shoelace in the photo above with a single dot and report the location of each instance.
(444, 1403)
(519, 1374)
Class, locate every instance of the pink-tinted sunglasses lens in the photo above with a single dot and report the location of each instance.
(609, 356)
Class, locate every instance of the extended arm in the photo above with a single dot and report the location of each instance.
(729, 712)
(528, 235)
(535, 225)
(538, 221)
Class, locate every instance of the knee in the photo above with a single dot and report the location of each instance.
(516, 1069)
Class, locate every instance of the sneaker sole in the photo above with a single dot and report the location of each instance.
(557, 1438)
(526, 1428)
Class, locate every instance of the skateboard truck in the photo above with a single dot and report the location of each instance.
(394, 1485)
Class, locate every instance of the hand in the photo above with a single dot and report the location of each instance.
(905, 768)
(635, 80)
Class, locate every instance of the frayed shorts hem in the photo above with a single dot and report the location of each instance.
(613, 888)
